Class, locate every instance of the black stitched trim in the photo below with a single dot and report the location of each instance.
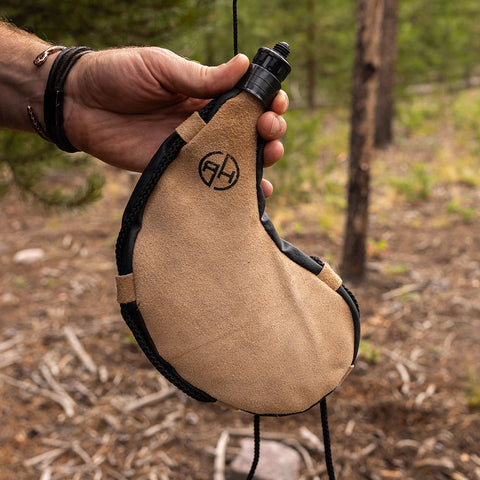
(134, 320)
(209, 110)
(316, 259)
(131, 225)
(313, 264)
(292, 252)
(133, 214)
(352, 303)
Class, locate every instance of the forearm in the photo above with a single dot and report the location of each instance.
(21, 82)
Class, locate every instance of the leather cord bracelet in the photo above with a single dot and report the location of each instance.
(54, 96)
(39, 60)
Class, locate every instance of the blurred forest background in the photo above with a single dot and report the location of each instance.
(437, 52)
(411, 408)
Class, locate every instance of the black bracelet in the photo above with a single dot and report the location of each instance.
(54, 94)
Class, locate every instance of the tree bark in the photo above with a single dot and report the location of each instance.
(364, 95)
(388, 56)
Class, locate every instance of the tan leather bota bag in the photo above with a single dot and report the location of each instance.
(221, 306)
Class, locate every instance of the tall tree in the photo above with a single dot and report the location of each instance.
(364, 94)
(386, 80)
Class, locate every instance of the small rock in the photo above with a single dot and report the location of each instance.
(30, 255)
(9, 299)
(277, 462)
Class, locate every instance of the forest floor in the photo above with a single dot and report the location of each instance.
(80, 401)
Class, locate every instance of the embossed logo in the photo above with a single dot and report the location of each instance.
(218, 170)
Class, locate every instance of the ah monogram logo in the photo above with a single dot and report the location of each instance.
(218, 170)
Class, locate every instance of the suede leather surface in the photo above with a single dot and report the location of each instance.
(125, 288)
(224, 306)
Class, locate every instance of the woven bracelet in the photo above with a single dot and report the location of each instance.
(54, 95)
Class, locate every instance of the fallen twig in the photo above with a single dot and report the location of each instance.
(57, 388)
(312, 439)
(10, 343)
(150, 399)
(403, 290)
(79, 350)
(405, 377)
(29, 387)
(46, 474)
(45, 458)
(220, 454)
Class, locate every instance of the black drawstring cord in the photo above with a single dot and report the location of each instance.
(235, 28)
(256, 455)
(326, 439)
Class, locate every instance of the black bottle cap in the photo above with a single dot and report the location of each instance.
(266, 73)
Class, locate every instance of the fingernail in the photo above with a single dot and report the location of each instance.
(274, 129)
(278, 124)
(237, 57)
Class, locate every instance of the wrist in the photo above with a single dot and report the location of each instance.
(21, 82)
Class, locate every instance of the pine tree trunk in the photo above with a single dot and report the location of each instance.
(388, 55)
(364, 94)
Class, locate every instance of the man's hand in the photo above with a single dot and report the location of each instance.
(121, 104)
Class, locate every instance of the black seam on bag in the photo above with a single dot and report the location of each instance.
(292, 413)
(316, 259)
(313, 264)
(134, 320)
(292, 252)
(131, 225)
(132, 217)
(352, 303)
(209, 110)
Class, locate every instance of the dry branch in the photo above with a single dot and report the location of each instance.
(405, 377)
(30, 388)
(220, 454)
(45, 458)
(79, 350)
(313, 441)
(57, 388)
(403, 290)
(10, 343)
(150, 399)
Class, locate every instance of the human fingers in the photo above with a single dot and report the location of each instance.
(193, 79)
(267, 187)
(280, 103)
(271, 126)
(272, 153)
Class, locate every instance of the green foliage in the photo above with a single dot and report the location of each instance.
(467, 214)
(418, 184)
(46, 174)
(393, 270)
(473, 391)
(419, 116)
(368, 352)
(106, 23)
(438, 40)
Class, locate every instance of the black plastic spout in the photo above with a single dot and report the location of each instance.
(266, 73)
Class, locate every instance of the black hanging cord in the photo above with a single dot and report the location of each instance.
(326, 439)
(235, 28)
(256, 454)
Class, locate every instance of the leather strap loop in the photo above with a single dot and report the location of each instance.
(54, 95)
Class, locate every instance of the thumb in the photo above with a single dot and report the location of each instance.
(196, 80)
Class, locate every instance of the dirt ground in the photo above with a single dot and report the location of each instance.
(80, 401)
